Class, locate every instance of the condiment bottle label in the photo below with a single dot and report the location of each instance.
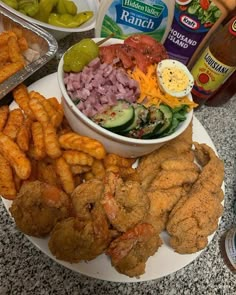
(209, 73)
(230, 246)
(191, 23)
(126, 17)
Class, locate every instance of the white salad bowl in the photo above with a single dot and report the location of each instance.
(113, 143)
(60, 32)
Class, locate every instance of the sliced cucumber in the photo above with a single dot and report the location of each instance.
(178, 116)
(168, 116)
(140, 118)
(156, 121)
(116, 118)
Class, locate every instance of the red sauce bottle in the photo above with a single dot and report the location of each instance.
(216, 64)
(224, 93)
(228, 249)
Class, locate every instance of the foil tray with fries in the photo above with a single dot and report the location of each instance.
(41, 47)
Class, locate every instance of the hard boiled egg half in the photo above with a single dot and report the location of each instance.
(174, 78)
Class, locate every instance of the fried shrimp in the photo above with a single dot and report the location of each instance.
(125, 203)
(85, 196)
(130, 251)
(74, 239)
(38, 207)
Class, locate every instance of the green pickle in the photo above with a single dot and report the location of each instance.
(60, 13)
(69, 21)
(79, 55)
(11, 3)
(45, 8)
(28, 7)
(66, 6)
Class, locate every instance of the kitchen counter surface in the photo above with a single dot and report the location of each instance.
(26, 270)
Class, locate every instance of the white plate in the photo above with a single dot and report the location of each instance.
(59, 32)
(163, 263)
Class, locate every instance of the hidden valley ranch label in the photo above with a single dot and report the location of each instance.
(126, 17)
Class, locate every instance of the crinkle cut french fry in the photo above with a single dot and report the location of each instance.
(46, 173)
(65, 175)
(98, 169)
(51, 142)
(51, 111)
(4, 111)
(4, 36)
(23, 135)
(7, 184)
(115, 160)
(17, 31)
(74, 141)
(60, 113)
(8, 70)
(4, 55)
(13, 124)
(38, 110)
(23, 44)
(17, 159)
(21, 97)
(77, 158)
(78, 169)
(14, 51)
(38, 148)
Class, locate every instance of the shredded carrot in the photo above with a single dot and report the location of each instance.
(151, 92)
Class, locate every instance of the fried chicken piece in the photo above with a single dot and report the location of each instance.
(196, 215)
(74, 240)
(130, 251)
(38, 207)
(150, 165)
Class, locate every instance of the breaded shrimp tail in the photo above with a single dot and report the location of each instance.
(196, 215)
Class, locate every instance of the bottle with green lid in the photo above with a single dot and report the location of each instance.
(123, 18)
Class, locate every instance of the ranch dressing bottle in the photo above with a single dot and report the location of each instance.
(193, 24)
(126, 17)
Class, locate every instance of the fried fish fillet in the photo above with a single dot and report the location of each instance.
(196, 215)
(150, 164)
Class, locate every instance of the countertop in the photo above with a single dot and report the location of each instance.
(26, 270)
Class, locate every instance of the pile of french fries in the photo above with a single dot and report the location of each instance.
(37, 143)
(12, 46)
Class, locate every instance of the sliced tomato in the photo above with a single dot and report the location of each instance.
(108, 53)
(140, 50)
(125, 57)
(137, 39)
(149, 46)
(138, 58)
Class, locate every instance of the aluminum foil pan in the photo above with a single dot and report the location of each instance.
(43, 45)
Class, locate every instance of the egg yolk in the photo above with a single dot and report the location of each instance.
(175, 79)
